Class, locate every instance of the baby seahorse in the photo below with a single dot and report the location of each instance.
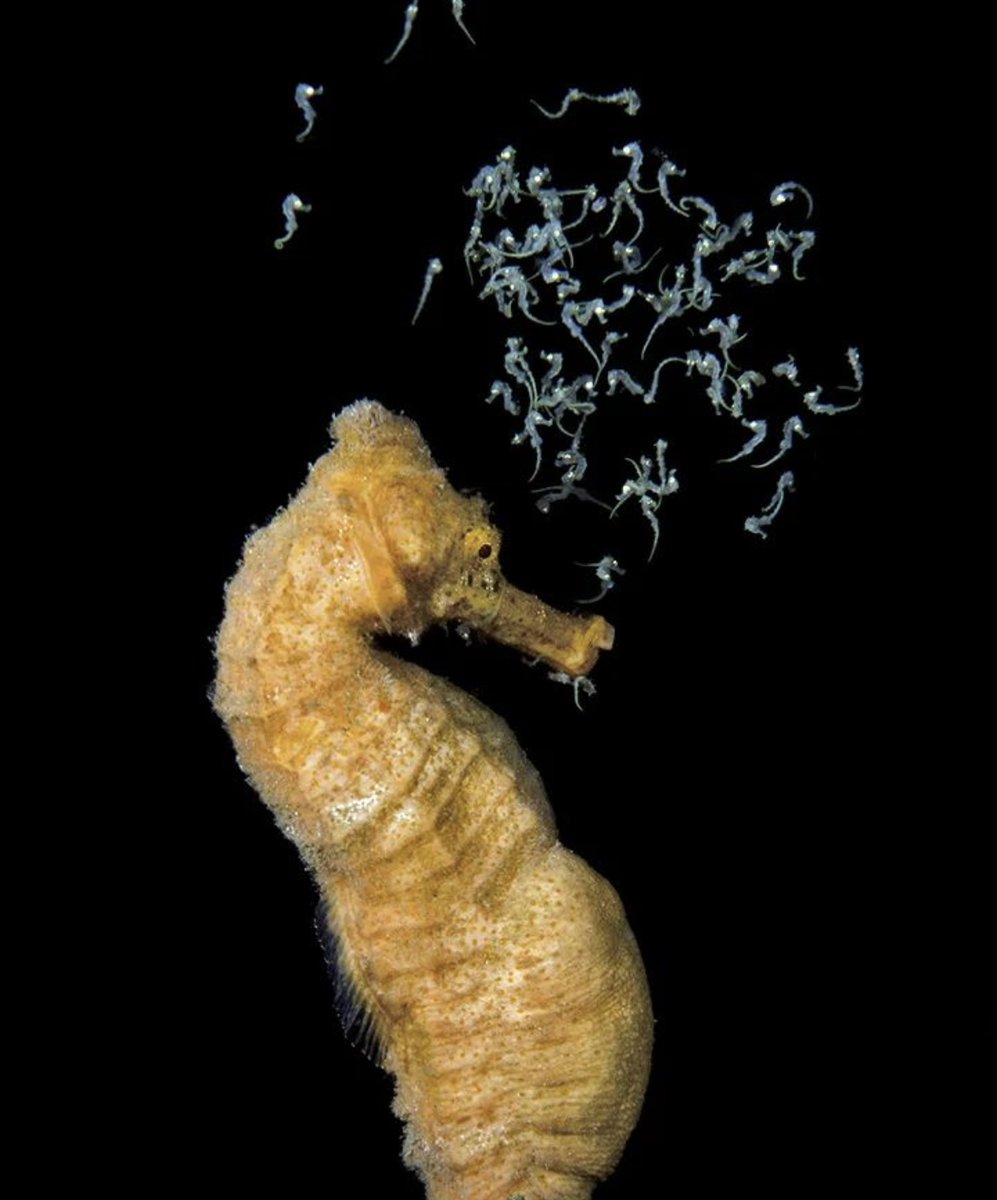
(496, 970)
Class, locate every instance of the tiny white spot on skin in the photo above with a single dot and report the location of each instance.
(349, 814)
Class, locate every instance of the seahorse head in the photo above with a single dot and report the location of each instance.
(428, 554)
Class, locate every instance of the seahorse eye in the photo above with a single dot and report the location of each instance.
(482, 541)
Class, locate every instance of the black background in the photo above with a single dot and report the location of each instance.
(741, 774)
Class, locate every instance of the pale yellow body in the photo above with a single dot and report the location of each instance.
(499, 973)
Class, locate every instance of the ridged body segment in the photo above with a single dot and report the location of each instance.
(497, 969)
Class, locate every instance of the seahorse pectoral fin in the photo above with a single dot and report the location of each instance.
(567, 643)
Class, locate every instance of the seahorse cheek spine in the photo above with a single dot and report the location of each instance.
(497, 970)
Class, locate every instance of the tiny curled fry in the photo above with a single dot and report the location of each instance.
(495, 970)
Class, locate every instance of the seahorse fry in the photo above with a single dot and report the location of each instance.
(494, 969)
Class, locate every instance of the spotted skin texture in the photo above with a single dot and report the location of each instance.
(496, 969)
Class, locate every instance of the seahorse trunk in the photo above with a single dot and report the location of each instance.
(496, 969)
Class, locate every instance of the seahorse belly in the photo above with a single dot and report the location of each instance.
(510, 999)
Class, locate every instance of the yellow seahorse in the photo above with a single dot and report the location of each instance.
(496, 969)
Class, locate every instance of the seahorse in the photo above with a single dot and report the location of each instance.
(494, 969)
